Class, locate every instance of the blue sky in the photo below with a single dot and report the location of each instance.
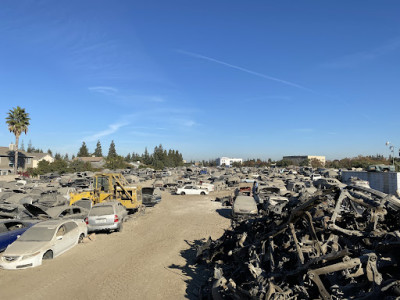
(209, 78)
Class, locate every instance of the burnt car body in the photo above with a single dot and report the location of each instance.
(151, 196)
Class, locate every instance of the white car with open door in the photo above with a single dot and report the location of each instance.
(44, 240)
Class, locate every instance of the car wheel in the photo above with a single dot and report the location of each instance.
(80, 240)
(48, 254)
(183, 193)
(202, 193)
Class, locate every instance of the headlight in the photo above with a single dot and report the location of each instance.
(30, 255)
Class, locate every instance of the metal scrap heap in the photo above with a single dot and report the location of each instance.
(335, 244)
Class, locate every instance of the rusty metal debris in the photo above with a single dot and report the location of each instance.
(333, 244)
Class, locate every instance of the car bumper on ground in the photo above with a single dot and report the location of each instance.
(20, 263)
(104, 227)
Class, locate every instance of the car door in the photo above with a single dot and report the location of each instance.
(61, 243)
(72, 233)
(189, 190)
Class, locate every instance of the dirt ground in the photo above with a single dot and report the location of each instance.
(149, 259)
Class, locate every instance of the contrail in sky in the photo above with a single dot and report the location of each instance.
(246, 70)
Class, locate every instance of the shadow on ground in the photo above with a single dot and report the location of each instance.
(196, 274)
(225, 212)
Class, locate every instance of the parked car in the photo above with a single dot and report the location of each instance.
(106, 216)
(191, 190)
(44, 240)
(244, 207)
(10, 230)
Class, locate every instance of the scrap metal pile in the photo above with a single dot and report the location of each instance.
(335, 244)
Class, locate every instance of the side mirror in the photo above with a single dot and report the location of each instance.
(18, 236)
(59, 238)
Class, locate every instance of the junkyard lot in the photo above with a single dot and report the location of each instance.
(133, 264)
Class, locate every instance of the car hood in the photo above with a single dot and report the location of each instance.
(244, 207)
(36, 211)
(20, 248)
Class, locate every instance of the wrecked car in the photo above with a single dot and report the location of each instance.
(327, 183)
(44, 240)
(10, 230)
(150, 196)
(57, 212)
(244, 207)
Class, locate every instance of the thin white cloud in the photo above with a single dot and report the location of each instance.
(110, 130)
(125, 98)
(292, 84)
(358, 58)
(143, 98)
(184, 123)
(106, 90)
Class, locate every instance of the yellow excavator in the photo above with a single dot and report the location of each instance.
(111, 186)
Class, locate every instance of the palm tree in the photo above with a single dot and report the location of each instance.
(18, 122)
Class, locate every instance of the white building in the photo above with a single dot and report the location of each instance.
(37, 157)
(228, 161)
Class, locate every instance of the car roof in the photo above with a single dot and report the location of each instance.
(52, 223)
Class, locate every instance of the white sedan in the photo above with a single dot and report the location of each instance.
(44, 240)
(191, 190)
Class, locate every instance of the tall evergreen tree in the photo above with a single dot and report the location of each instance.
(146, 157)
(83, 151)
(98, 152)
(128, 157)
(66, 158)
(22, 145)
(18, 121)
(112, 153)
(49, 152)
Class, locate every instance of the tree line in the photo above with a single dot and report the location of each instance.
(159, 159)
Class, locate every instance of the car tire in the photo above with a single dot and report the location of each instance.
(80, 239)
(202, 193)
(48, 255)
(183, 193)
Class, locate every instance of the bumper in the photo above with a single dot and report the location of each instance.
(106, 227)
(21, 263)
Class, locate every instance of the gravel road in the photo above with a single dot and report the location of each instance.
(149, 259)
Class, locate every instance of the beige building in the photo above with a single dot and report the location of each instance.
(300, 158)
(7, 157)
(41, 156)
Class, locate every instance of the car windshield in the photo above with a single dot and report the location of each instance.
(102, 210)
(38, 234)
